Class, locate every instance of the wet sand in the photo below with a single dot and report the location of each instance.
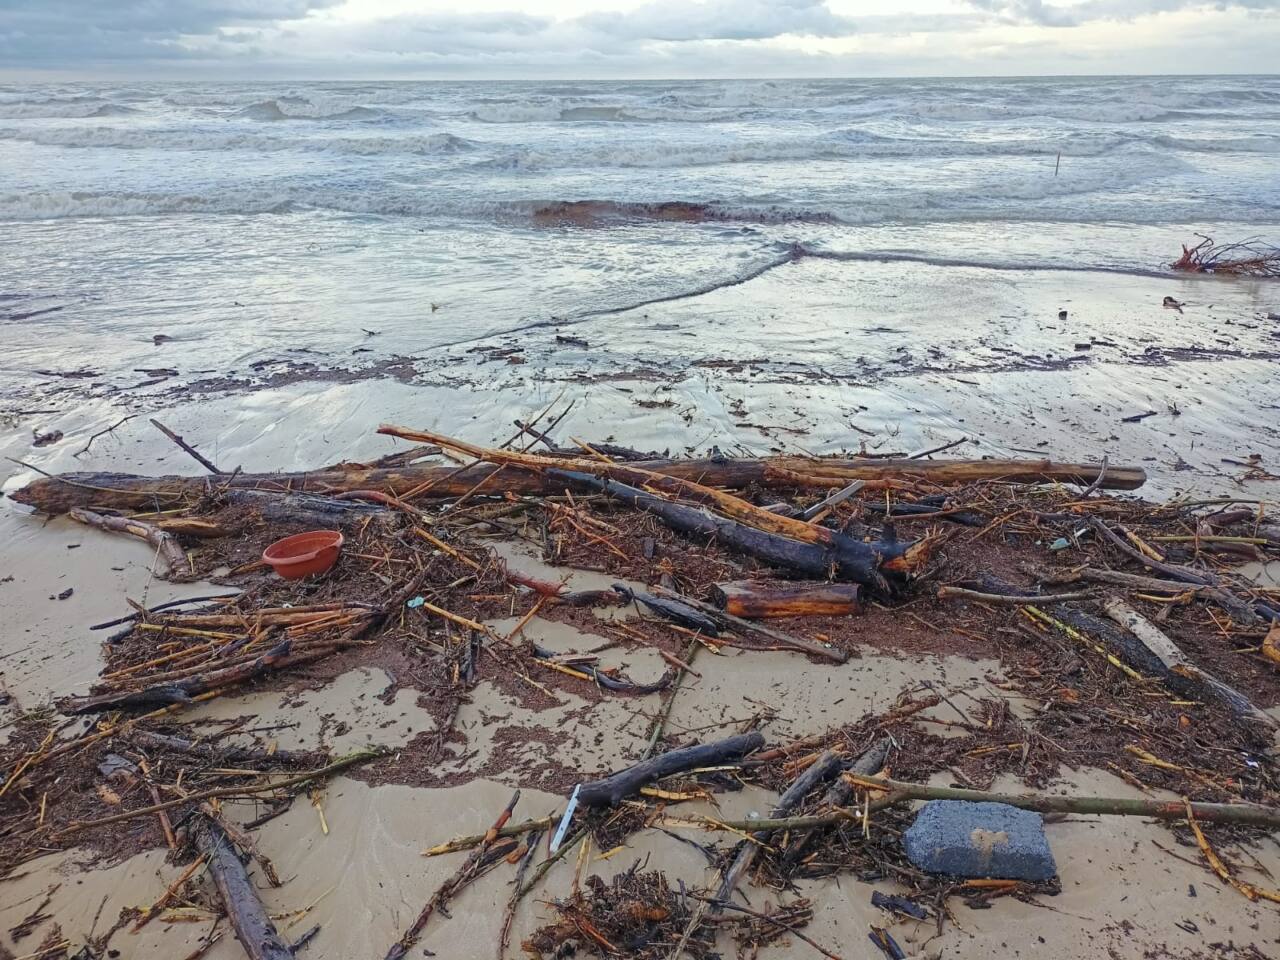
(718, 370)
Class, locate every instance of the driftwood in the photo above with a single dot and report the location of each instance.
(181, 691)
(1176, 663)
(840, 794)
(746, 626)
(486, 856)
(844, 557)
(1240, 611)
(194, 453)
(615, 788)
(743, 525)
(175, 557)
(606, 680)
(675, 610)
(225, 754)
(901, 792)
(762, 601)
(131, 491)
(249, 918)
(817, 773)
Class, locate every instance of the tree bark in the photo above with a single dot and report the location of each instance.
(130, 491)
(1176, 662)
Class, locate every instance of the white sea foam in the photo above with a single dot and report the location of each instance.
(855, 152)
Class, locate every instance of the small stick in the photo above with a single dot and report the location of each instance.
(960, 593)
(208, 465)
(120, 422)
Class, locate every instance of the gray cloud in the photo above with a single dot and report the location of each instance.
(68, 30)
(658, 38)
(1051, 15)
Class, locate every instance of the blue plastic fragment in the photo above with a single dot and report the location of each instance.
(1060, 544)
(415, 603)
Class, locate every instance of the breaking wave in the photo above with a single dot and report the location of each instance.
(302, 108)
(71, 108)
(126, 138)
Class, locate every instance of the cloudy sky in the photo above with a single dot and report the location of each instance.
(338, 39)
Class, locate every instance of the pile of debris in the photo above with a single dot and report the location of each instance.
(1152, 655)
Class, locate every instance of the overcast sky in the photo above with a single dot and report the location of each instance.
(340, 39)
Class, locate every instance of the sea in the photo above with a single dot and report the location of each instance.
(248, 216)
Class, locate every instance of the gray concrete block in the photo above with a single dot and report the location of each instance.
(966, 839)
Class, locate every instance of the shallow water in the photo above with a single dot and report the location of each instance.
(241, 218)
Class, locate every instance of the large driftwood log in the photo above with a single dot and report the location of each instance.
(762, 601)
(130, 491)
(250, 920)
(615, 788)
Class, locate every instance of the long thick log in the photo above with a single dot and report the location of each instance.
(249, 918)
(130, 491)
(762, 601)
(615, 788)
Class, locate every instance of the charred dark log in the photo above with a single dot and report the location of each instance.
(615, 788)
(249, 918)
(673, 610)
(844, 557)
(181, 691)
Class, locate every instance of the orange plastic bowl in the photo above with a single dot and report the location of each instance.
(304, 553)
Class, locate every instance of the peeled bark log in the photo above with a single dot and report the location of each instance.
(615, 788)
(175, 557)
(762, 601)
(249, 918)
(130, 491)
(1176, 663)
